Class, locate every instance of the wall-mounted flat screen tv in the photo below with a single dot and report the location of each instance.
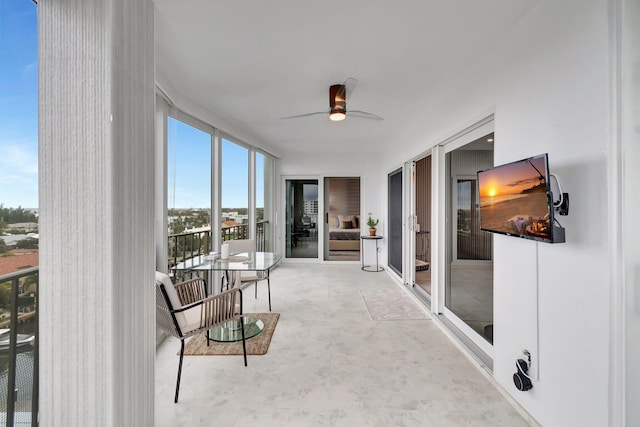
(516, 200)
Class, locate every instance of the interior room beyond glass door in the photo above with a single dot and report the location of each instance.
(342, 219)
(301, 218)
(422, 228)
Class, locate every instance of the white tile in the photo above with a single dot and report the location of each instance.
(330, 364)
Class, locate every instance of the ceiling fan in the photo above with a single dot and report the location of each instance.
(338, 96)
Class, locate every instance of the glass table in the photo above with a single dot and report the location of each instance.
(237, 262)
(231, 332)
(244, 261)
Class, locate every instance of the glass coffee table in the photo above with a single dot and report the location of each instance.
(231, 331)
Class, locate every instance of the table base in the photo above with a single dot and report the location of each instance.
(231, 331)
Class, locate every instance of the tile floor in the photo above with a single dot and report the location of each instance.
(329, 364)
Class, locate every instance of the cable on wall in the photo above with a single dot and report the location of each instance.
(536, 373)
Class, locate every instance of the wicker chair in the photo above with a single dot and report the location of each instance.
(183, 310)
(248, 277)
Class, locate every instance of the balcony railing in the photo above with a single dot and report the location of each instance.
(186, 245)
(19, 348)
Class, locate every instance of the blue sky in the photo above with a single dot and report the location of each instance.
(19, 130)
(189, 170)
(18, 104)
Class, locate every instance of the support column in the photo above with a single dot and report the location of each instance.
(626, 369)
(96, 171)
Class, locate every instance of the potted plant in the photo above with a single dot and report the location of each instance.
(372, 224)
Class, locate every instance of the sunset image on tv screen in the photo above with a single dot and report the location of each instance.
(513, 199)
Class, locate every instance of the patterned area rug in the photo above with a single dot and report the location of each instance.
(391, 305)
(258, 345)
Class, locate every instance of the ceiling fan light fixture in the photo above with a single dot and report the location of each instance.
(338, 95)
(337, 116)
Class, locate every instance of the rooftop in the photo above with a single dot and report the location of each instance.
(18, 259)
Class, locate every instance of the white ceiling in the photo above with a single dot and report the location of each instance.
(252, 62)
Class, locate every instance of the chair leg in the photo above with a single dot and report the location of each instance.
(208, 339)
(269, 291)
(244, 344)
(175, 400)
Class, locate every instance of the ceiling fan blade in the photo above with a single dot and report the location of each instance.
(363, 115)
(324, 113)
(350, 85)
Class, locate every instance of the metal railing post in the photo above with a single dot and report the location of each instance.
(12, 401)
(13, 339)
(35, 407)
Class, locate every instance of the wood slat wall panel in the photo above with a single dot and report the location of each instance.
(344, 196)
(423, 197)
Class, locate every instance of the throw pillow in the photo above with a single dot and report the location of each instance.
(346, 224)
(345, 218)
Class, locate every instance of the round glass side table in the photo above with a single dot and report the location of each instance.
(231, 331)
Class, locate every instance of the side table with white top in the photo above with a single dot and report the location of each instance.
(370, 268)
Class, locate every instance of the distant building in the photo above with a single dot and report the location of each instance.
(227, 224)
(206, 227)
(12, 239)
(310, 207)
(24, 225)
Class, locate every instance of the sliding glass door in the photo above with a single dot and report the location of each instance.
(301, 218)
(469, 264)
(395, 221)
(421, 231)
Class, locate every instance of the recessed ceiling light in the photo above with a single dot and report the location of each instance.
(490, 140)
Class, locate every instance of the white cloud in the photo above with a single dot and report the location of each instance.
(30, 71)
(18, 175)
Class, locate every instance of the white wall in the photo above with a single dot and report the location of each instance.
(549, 85)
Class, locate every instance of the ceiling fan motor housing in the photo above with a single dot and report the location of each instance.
(338, 99)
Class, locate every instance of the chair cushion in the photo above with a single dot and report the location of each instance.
(185, 318)
(190, 326)
(241, 245)
(193, 317)
(249, 276)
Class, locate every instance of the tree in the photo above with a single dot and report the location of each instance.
(3, 247)
(5, 295)
(28, 243)
(13, 215)
(177, 227)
